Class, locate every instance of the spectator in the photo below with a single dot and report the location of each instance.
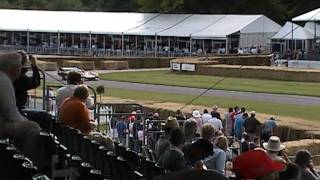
(74, 112)
(229, 122)
(24, 82)
(238, 127)
(256, 164)
(215, 113)
(251, 125)
(216, 123)
(173, 159)
(12, 124)
(74, 80)
(274, 148)
(208, 132)
(267, 129)
(245, 143)
(196, 116)
(218, 160)
(137, 129)
(197, 151)
(180, 115)
(205, 116)
(291, 172)
(163, 143)
(190, 129)
(122, 130)
(304, 161)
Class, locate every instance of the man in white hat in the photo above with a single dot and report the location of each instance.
(273, 147)
(196, 116)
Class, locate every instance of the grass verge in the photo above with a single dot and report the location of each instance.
(166, 77)
(277, 109)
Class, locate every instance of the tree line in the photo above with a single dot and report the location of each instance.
(278, 10)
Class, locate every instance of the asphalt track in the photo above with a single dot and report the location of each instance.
(262, 97)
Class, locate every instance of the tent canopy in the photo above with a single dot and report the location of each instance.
(310, 16)
(299, 33)
(148, 24)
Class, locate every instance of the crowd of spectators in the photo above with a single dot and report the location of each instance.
(233, 145)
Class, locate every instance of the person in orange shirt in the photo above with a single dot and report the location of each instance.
(73, 111)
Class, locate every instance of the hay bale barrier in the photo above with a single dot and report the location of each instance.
(47, 66)
(97, 62)
(114, 65)
(260, 72)
(86, 65)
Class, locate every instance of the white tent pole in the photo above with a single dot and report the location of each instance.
(190, 46)
(169, 44)
(12, 38)
(136, 43)
(122, 44)
(202, 45)
(104, 42)
(227, 47)
(291, 38)
(90, 45)
(156, 45)
(72, 39)
(58, 42)
(212, 45)
(28, 41)
(315, 33)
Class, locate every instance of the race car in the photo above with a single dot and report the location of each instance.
(86, 75)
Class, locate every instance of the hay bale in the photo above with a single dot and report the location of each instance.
(87, 65)
(114, 65)
(293, 147)
(47, 66)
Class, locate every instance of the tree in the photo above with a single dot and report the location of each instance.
(165, 6)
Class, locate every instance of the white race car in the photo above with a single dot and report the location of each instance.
(86, 75)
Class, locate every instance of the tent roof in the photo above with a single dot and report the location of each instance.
(299, 33)
(310, 26)
(310, 16)
(180, 25)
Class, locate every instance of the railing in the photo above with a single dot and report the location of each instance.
(96, 52)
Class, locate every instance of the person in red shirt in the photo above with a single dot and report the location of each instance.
(74, 112)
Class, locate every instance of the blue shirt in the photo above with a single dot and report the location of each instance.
(238, 128)
(268, 126)
(121, 127)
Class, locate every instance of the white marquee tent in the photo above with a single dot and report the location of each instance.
(310, 16)
(299, 33)
(178, 25)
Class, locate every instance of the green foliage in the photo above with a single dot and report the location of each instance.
(278, 10)
(100, 89)
(165, 6)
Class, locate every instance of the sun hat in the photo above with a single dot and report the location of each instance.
(196, 114)
(253, 112)
(274, 144)
(255, 163)
(171, 122)
(215, 107)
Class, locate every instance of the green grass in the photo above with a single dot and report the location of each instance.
(277, 109)
(203, 81)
